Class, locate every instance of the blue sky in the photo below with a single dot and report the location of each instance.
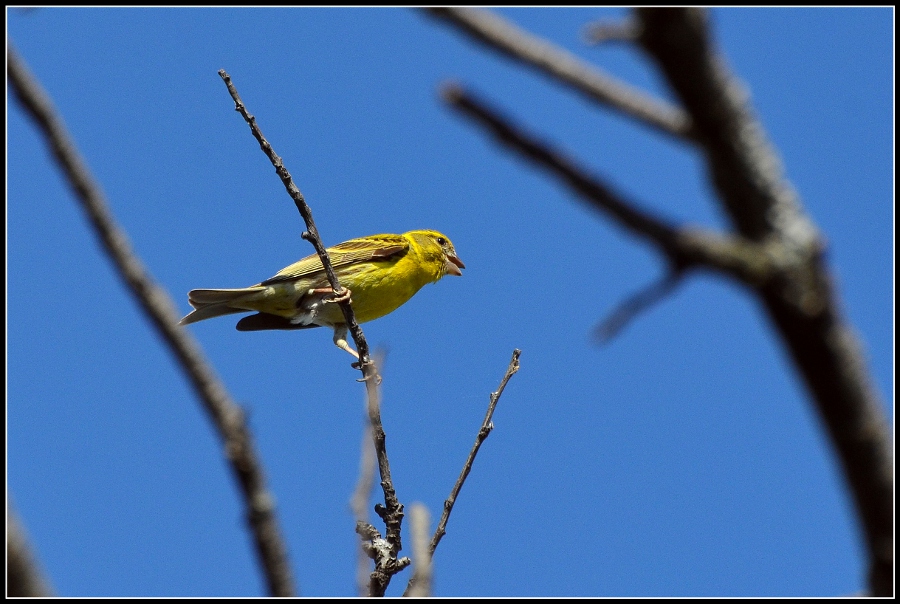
(681, 459)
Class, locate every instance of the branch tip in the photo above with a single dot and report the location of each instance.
(635, 304)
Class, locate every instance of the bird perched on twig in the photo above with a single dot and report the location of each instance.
(380, 272)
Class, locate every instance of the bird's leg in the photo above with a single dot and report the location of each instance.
(340, 297)
(340, 340)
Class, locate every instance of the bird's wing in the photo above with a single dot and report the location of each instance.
(364, 249)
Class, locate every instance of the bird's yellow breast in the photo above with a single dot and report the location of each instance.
(379, 288)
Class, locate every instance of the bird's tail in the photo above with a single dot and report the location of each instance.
(209, 303)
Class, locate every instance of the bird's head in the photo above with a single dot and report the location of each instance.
(433, 240)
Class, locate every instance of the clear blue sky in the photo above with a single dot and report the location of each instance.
(682, 459)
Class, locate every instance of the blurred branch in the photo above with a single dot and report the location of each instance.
(636, 304)
(744, 167)
(802, 303)
(777, 252)
(503, 36)
(226, 416)
(311, 234)
(24, 578)
(601, 32)
(420, 583)
(744, 260)
(391, 513)
(359, 503)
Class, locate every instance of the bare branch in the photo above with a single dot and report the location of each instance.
(226, 416)
(503, 36)
(486, 427)
(636, 304)
(24, 577)
(312, 233)
(392, 512)
(802, 302)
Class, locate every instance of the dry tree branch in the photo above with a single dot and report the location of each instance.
(226, 416)
(24, 577)
(420, 583)
(311, 234)
(369, 583)
(387, 563)
(683, 248)
(548, 59)
(802, 303)
(486, 427)
(777, 252)
(391, 513)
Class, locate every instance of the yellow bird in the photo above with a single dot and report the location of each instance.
(381, 272)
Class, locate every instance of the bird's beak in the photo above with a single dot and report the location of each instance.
(453, 265)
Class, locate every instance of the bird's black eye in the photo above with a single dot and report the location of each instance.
(441, 240)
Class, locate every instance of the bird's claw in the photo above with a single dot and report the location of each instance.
(374, 375)
(344, 295)
(368, 376)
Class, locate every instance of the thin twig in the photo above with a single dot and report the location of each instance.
(486, 427)
(225, 415)
(636, 304)
(312, 233)
(419, 520)
(802, 302)
(548, 59)
(392, 511)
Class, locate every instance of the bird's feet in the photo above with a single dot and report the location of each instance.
(369, 371)
(342, 296)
